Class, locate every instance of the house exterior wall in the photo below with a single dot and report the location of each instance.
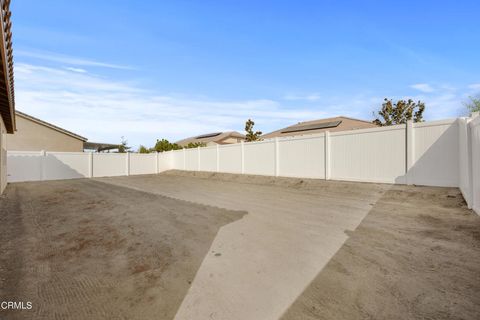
(230, 140)
(228, 137)
(3, 156)
(32, 136)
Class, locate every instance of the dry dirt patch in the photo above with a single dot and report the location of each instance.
(82, 249)
(409, 252)
(159, 246)
(416, 255)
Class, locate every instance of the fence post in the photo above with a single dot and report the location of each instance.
(90, 164)
(218, 158)
(277, 157)
(327, 155)
(157, 170)
(410, 153)
(127, 163)
(473, 157)
(467, 164)
(198, 158)
(242, 156)
(43, 173)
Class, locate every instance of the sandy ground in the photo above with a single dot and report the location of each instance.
(83, 249)
(208, 246)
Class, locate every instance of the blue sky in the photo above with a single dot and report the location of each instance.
(172, 69)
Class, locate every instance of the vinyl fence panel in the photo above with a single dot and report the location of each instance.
(191, 159)
(302, 157)
(178, 160)
(259, 158)
(165, 161)
(109, 164)
(143, 163)
(24, 166)
(436, 149)
(372, 155)
(208, 159)
(230, 158)
(66, 165)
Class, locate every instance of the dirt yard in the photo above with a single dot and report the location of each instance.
(216, 246)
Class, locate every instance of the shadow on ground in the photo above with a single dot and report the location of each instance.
(83, 249)
(418, 261)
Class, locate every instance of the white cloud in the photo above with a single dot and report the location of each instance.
(474, 86)
(423, 87)
(79, 70)
(307, 97)
(53, 79)
(64, 59)
(444, 105)
(104, 110)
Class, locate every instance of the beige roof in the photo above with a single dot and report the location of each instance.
(49, 125)
(216, 137)
(340, 123)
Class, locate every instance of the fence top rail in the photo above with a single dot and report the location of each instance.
(66, 153)
(208, 147)
(369, 130)
(433, 123)
(175, 151)
(302, 137)
(13, 152)
(143, 154)
(232, 145)
(258, 142)
(101, 154)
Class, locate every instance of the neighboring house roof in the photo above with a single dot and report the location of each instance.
(216, 137)
(99, 146)
(49, 125)
(7, 99)
(340, 123)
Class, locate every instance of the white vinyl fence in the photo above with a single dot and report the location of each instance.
(475, 159)
(417, 153)
(437, 153)
(37, 166)
(469, 161)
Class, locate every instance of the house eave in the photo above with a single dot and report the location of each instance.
(7, 98)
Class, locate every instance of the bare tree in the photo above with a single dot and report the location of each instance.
(123, 147)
